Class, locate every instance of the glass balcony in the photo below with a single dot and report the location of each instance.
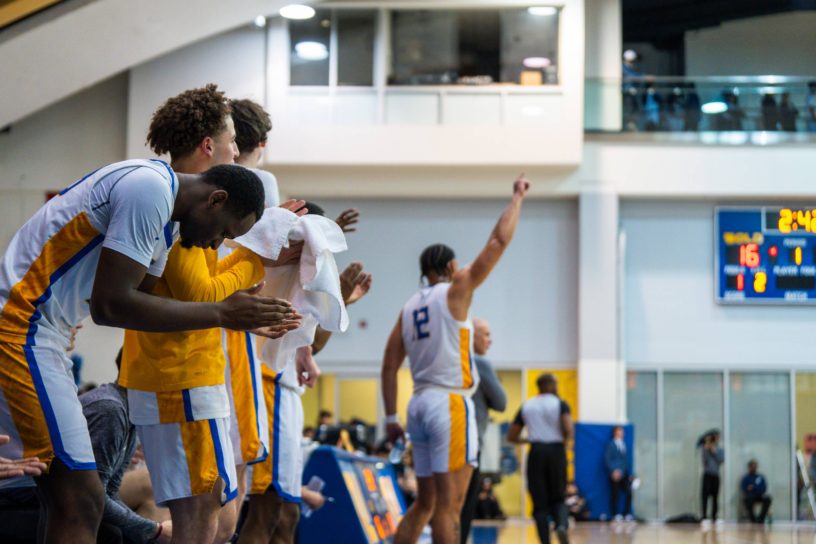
(730, 110)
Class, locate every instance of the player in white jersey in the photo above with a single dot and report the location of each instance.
(96, 249)
(435, 332)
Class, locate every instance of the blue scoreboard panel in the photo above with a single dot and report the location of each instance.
(766, 255)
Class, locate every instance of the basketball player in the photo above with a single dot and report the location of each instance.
(97, 249)
(435, 331)
(176, 389)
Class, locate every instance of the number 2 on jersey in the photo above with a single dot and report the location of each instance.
(421, 323)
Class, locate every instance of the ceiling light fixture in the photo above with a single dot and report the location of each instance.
(311, 51)
(297, 11)
(542, 11)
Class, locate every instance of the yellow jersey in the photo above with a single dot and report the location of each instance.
(172, 361)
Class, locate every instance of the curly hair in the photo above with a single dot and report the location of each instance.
(251, 124)
(179, 125)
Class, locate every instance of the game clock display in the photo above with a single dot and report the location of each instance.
(766, 255)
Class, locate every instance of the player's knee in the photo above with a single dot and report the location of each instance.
(227, 522)
(425, 504)
(290, 514)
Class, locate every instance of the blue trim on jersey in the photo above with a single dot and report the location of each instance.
(188, 405)
(230, 492)
(255, 392)
(168, 228)
(54, 278)
(77, 182)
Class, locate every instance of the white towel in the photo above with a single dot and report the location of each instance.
(270, 234)
(312, 286)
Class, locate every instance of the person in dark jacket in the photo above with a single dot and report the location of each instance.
(788, 113)
(713, 457)
(620, 475)
(755, 490)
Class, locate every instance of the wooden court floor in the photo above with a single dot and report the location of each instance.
(523, 532)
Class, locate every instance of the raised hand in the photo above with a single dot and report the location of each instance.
(354, 283)
(521, 186)
(245, 310)
(295, 206)
(347, 219)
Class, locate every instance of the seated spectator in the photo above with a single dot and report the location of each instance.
(755, 490)
(788, 113)
(488, 506)
(620, 477)
(576, 504)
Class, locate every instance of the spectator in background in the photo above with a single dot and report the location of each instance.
(692, 108)
(620, 476)
(487, 506)
(770, 112)
(652, 108)
(787, 113)
(325, 418)
(489, 395)
(576, 503)
(631, 105)
(712, 458)
(755, 490)
(810, 106)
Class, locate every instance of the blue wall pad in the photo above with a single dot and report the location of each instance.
(591, 440)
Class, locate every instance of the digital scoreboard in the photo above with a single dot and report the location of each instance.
(766, 255)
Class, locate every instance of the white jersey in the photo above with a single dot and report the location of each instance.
(48, 271)
(440, 348)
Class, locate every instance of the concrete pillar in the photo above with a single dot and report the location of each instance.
(604, 43)
(601, 384)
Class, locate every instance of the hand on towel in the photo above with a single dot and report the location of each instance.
(348, 218)
(297, 207)
(245, 310)
(354, 283)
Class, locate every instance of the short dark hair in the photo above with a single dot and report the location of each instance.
(244, 187)
(179, 125)
(314, 209)
(251, 124)
(324, 413)
(545, 380)
(435, 259)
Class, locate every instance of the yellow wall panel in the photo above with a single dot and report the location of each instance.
(358, 399)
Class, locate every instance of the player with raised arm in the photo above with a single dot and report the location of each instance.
(435, 332)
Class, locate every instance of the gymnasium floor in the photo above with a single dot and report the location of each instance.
(523, 532)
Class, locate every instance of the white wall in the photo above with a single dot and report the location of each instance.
(778, 44)
(234, 61)
(529, 299)
(670, 317)
(49, 150)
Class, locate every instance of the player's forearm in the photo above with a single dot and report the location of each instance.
(142, 312)
(389, 388)
(506, 226)
(320, 340)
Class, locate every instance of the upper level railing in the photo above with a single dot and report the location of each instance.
(737, 104)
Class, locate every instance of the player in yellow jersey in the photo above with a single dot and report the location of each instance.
(178, 398)
(435, 332)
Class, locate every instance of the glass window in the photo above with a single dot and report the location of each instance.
(439, 47)
(759, 408)
(309, 56)
(355, 47)
(692, 405)
(641, 405)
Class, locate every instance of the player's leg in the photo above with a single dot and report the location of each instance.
(195, 519)
(73, 501)
(227, 520)
(287, 525)
(420, 512)
(264, 514)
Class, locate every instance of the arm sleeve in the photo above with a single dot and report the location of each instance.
(188, 275)
(609, 457)
(565, 409)
(491, 387)
(141, 204)
(519, 420)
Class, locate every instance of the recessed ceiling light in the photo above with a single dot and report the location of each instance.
(297, 11)
(542, 10)
(260, 21)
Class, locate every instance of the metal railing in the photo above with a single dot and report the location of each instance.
(783, 104)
